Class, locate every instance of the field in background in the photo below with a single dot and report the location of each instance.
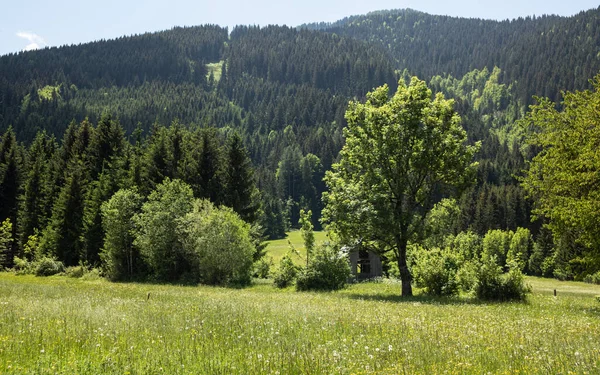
(278, 248)
(59, 325)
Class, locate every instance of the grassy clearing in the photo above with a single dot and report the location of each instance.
(59, 325)
(215, 68)
(278, 248)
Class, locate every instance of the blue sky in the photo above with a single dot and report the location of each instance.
(35, 23)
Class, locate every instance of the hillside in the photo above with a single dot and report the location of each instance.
(285, 92)
(543, 55)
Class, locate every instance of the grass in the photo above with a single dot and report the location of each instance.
(59, 325)
(215, 68)
(278, 248)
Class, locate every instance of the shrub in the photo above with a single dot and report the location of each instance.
(75, 271)
(286, 273)
(91, 275)
(48, 267)
(217, 244)
(262, 268)
(436, 271)
(156, 236)
(23, 267)
(467, 246)
(467, 275)
(592, 279)
(520, 248)
(493, 285)
(496, 244)
(328, 270)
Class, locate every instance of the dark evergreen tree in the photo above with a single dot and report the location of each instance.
(241, 193)
(10, 186)
(62, 237)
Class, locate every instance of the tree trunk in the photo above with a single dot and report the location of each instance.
(405, 275)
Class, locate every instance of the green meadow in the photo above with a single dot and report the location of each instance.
(278, 248)
(60, 325)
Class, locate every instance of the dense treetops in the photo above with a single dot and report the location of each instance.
(284, 91)
(544, 55)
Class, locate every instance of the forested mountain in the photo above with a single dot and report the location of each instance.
(542, 55)
(79, 122)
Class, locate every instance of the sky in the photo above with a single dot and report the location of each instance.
(33, 24)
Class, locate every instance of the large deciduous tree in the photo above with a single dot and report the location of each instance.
(564, 177)
(401, 154)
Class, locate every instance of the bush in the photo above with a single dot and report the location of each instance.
(48, 267)
(520, 247)
(593, 278)
(493, 285)
(436, 271)
(496, 244)
(468, 246)
(75, 271)
(467, 275)
(157, 237)
(217, 245)
(328, 270)
(262, 268)
(23, 266)
(91, 275)
(286, 273)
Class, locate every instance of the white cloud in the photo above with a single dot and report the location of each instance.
(35, 41)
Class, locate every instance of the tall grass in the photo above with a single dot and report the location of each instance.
(60, 325)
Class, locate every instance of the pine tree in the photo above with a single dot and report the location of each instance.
(33, 214)
(241, 193)
(210, 167)
(10, 185)
(62, 237)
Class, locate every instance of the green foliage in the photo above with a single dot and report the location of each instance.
(75, 271)
(217, 243)
(286, 272)
(48, 267)
(241, 193)
(436, 271)
(398, 153)
(520, 248)
(429, 45)
(562, 178)
(493, 285)
(327, 270)
(441, 223)
(306, 230)
(120, 259)
(593, 278)
(156, 236)
(62, 237)
(262, 267)
(496, 244)
(6, 240)
(467, 246)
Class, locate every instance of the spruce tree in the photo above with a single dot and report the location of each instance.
(10, 185)
(33, 213)
(62, 237)
(241, 193)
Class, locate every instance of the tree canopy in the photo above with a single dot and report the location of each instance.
(400, 154)
(564, 177)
